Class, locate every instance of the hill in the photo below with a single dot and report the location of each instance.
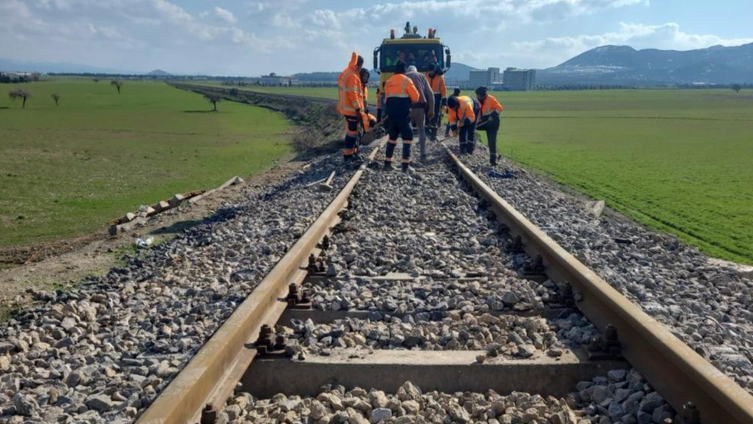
(159, 73)
(626, 65)
(458, 72)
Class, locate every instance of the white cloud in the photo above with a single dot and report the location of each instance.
(225, 15)
(665, 36)
(286, 36)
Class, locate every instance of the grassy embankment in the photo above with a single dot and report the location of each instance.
(65, 171)
(677, 160)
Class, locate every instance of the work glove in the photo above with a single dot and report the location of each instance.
(444, 103)
(431, 114)
(444, 110)
(454, 133)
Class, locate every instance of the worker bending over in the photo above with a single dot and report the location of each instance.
(463, 112)
(350, 103)
(421, 109)
(455, 92)
(491, 109)
(399, 93)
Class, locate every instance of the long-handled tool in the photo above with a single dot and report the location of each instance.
(370, 135)
(327, 184)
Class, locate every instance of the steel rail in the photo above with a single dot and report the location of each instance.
(212, 374)
(686, 380)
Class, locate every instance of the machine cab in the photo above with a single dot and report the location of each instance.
(425, 53)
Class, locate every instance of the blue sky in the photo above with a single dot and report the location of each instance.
(253, 37)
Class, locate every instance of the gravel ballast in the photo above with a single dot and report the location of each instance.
(706, 304)
(508, 336)
(619, 397)
(102, 351)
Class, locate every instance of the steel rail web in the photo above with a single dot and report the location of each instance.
(212, 374)
(676, 371)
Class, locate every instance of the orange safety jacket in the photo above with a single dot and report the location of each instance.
(348, 89)
(364, 95)
(437, 85)
(464, 111)
(490, 106)
(399, 93)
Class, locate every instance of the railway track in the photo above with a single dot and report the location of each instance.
(455, 323)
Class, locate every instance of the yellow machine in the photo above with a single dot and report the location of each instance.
(423, 52)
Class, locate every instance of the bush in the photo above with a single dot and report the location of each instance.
(303, 142)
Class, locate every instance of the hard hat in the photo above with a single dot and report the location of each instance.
(412, 69)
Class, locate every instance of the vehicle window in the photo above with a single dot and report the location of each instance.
(423, 57)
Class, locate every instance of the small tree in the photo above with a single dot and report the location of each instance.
(213, 99)
(117, 84)
(95, 79)
(737, 87)
(20, 93)
(56, 98)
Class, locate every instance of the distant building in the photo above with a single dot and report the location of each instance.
(274, 79)
(519, 79)
(486, 77)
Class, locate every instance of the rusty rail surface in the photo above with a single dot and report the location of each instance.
(687, 381)
(212, 374)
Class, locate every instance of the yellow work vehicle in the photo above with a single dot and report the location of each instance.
(425, 53)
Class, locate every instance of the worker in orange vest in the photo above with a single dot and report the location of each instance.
(367, 119)
(350, 104)
(399, 93)
(438, 87)
(462, 115)
(491, 109)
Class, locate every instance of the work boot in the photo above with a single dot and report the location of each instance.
(387, 166)
(493, 160)
(405, 167)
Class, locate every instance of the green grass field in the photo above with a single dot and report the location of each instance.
(677, 160)
(66, 171)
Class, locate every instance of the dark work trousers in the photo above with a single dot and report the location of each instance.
(491, 136)
(467, 136)
(351, 128)
(437, 106)
(399, 127)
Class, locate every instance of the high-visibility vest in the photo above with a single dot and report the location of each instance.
(464, 111)
(400, 86)
(490, 106)
(348, 89)
(437, 85)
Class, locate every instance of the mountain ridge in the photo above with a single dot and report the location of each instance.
(625, 65)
